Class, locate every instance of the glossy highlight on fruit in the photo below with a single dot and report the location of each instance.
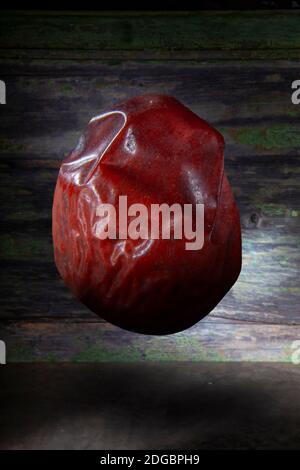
(154, 150)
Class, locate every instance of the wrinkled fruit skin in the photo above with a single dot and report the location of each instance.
(154, 150)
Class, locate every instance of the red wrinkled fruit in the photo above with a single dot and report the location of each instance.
(154, 150)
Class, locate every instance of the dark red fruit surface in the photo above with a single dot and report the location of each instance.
(154, 150)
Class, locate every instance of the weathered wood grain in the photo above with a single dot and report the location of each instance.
(266, 292)
(274, 34)
(261, 159)
(60, 70)
(71, 341)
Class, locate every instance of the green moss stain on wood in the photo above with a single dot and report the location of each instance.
(21, 247)
(210, 341)
(10, 145)
(18, 353)
(96, 353)
(194, 31)
(274, 210)
(273, 137)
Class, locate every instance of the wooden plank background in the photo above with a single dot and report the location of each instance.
(235, 70)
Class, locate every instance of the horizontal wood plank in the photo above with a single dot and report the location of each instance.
(151, 35)
(92, 342)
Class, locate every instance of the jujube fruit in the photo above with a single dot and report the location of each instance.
(153, 150)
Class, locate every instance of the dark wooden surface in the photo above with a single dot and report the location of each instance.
(235, 70)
